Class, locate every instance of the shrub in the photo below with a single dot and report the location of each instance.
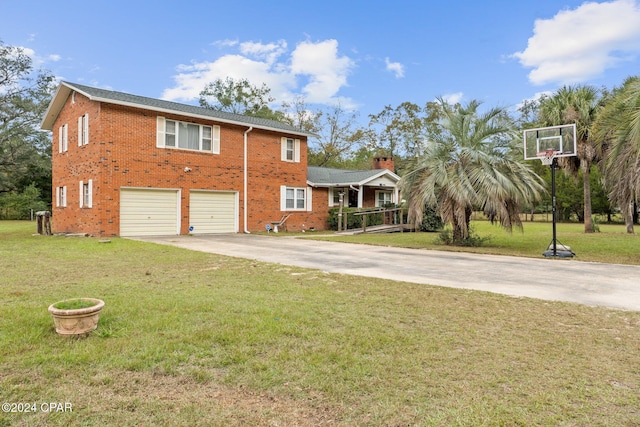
(431, 221)
(19, 205)
(473, 240)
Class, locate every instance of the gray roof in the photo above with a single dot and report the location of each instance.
(329, 177)
(121, 98)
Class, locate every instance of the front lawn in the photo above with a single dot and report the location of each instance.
(611, 245)
(189, 338)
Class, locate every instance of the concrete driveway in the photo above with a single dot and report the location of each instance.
(595, 284)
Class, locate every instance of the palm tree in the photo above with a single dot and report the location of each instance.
(468, 165)
(579, 105)
(617, 132)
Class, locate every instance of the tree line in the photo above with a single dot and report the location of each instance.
(25, 151)
(454, 158)
(444, 150)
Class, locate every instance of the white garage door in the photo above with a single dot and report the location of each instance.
(146, 212)
(213, 212)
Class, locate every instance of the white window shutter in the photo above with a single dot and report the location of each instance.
(90, 198)
(79, 131)
(283, 148)
(283, 197)
(85, 129)
(160, 132)
(64, 196)
(65, 137)
(297, 151)
(215, 136)
(60, 132)
(81, 192)
(309, 199)
(58, 196)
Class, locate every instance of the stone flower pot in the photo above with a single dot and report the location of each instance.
(71, 320)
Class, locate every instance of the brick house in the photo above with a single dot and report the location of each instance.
(129, 165)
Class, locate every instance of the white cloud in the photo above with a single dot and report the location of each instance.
(534, 98)
(453, 98)
(314, 69)
(576, 45)
(269, 52)
(39, 61)
(325, 70)
(395, 67)
(225, 43)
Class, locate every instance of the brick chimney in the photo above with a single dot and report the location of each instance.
(384, 163)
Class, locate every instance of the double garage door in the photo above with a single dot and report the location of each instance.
(156, 212)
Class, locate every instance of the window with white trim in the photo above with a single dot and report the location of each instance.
(83, 130)
(335, 197)
(295, 198)
(86, 194)
(187, 136)
(63, 138)
(61, 196)
(383, 198)
(290, 150)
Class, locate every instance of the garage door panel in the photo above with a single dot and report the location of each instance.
(148, 212)
(213, 212)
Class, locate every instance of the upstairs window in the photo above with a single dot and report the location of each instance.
(290, 150)
(83, 130)
(63, 138)
(187, 136)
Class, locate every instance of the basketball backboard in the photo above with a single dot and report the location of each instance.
(558, 141)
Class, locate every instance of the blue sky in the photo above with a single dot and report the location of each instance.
(363, 54)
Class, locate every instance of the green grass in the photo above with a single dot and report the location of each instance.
(611, 245)
(74, 304)
(189, 338)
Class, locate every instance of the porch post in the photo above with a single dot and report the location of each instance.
(361, 196)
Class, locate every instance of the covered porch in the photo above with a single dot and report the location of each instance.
(356, 188)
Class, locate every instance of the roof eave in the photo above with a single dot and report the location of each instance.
(57, 103)
(332, 184)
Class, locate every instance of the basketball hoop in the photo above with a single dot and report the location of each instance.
(547, 156)
(559, 139)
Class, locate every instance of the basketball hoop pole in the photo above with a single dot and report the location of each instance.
(553, 165)
(565, 251)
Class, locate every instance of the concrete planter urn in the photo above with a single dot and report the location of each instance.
(76, 316)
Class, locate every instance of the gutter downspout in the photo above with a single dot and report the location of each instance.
(244, 195)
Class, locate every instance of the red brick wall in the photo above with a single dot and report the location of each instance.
(122, 152)
(75, 165)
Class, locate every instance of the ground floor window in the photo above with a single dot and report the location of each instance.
(383, 198)
(295, 198)
(61, 197)
(86, 194)
(335, 196)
